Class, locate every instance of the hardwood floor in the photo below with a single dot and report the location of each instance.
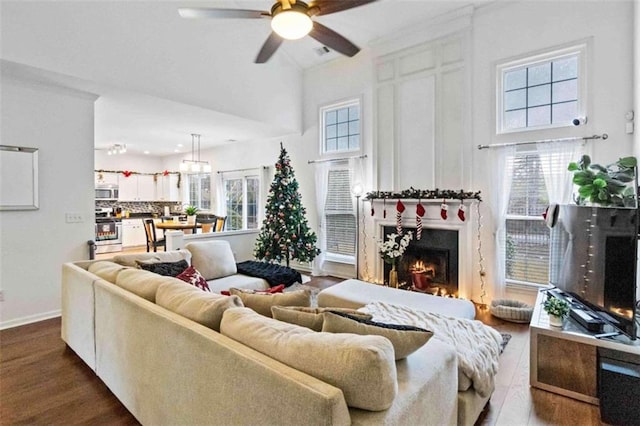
(44, 382)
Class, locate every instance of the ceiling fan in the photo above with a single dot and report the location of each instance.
(291, 20)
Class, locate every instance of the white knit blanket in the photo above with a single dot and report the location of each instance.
(477, 345)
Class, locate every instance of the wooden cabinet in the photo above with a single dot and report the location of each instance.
(167, 188)
(137, 188)
(106, 179)
(564, 360)
(133, 234)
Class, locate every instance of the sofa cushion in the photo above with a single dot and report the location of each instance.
(192, 276)
(142, 283)
(405, 339)
(262, 302)
(168, 269)
(310, 318)
(214, 259)
(361, 366)
(197, 305)
(168, 256)
(237, 281)
(106, 270)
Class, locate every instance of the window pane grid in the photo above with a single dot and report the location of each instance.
(199, 190)
(342, 129)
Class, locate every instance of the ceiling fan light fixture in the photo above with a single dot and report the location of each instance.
(291, 24)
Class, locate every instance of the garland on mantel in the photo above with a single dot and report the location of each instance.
(424, 194)
(128, 173)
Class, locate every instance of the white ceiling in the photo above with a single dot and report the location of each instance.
(162, 77)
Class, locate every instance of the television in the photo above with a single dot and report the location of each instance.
(600, 264)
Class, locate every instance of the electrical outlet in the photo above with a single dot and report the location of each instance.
(74, 218)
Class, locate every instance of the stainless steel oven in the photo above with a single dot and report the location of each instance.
(108, 232)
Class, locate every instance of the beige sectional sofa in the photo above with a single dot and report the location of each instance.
(169, 369)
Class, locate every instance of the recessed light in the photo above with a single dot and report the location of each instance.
(147, 152)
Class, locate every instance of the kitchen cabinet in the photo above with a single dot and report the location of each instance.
(167, 188)
(137, 188)
(106, 179)
(133, 233)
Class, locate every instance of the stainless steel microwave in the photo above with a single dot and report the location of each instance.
(106, 193)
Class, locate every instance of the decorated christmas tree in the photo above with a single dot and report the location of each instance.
(285, 234)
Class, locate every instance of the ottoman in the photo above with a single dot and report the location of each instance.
(355, 294)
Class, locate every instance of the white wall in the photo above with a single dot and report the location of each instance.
(505, 31)
(34, 244)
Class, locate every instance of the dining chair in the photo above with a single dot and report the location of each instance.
(152, 239)
(220, 222)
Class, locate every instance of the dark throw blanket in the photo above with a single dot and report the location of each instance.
(272, 273)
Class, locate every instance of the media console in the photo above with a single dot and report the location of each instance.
(567, 360)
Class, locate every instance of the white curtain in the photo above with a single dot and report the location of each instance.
(322, 183)
(357, 179)
(554, 159)
(502, 175)
(221, 201)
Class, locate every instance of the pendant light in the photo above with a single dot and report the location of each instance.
(193, 165)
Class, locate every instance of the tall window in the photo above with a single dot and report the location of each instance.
(198, 190)
(340, 125)
(541, 91)
(340, 216)
(242, 195)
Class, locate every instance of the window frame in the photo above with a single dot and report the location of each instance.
(354, 101)
(244, 176)
(338, 257)
(580, 50)
(187, 189)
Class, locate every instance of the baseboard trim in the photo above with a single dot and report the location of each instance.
(29, 319)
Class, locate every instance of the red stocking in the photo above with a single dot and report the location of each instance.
(419, 213)
(461, 212)
(443, 210)
(400, 209)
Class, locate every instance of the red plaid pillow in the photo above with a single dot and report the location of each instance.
(193, 277)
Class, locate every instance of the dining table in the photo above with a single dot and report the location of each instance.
(177, 226)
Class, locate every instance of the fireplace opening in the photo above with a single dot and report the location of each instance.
(429, 265)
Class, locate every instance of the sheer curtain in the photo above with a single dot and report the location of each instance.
(502, 175)
(221, 201)
(322, 183)
(357, 178)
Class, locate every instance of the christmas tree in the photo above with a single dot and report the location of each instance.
(285, 234)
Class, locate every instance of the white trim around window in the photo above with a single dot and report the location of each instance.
(578, 50)
(354, 129)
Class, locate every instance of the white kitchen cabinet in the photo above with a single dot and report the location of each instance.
(106, 179)
(167, 188)
(137, 188)
(133, 233)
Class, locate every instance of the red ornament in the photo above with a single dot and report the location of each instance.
(127, 173)
(165, 173)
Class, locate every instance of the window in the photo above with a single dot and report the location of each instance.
(532, 251)
(340, 127)
(242, 195)
(542, 91)
(198, 190)
(340, 216)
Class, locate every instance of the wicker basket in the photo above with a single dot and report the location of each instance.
(511, 310)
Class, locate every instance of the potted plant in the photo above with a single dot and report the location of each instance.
(392, 249)
(611, 185)
(557, 309)
(191, 211)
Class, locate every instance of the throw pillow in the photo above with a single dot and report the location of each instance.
(262, 303)
(188, 301)
(168, 269)
(311, 318)
(153, 257)
(214, 259)
(276, 289)
(405, 339)
(193, 277)
(142, 283)
(361, 366)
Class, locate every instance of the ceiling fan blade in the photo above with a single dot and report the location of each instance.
(268, 48)
(332, 39)
(326, 7)
(207, 12)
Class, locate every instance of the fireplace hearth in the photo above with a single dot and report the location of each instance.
(430, 264)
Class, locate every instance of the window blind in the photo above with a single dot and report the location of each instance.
(340, 218)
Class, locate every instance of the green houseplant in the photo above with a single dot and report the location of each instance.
(191, 211)
(609, 185)
(557, 309)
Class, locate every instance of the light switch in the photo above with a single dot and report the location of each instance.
(74, 218)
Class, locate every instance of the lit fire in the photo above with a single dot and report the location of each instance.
(627, 313)
(420, 267)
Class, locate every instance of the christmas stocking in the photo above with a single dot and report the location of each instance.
(400, 209)
(384, 208)
(443, 210)
(461, 212)
(419, 213)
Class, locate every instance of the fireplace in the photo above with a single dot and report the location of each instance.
(431, 263)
